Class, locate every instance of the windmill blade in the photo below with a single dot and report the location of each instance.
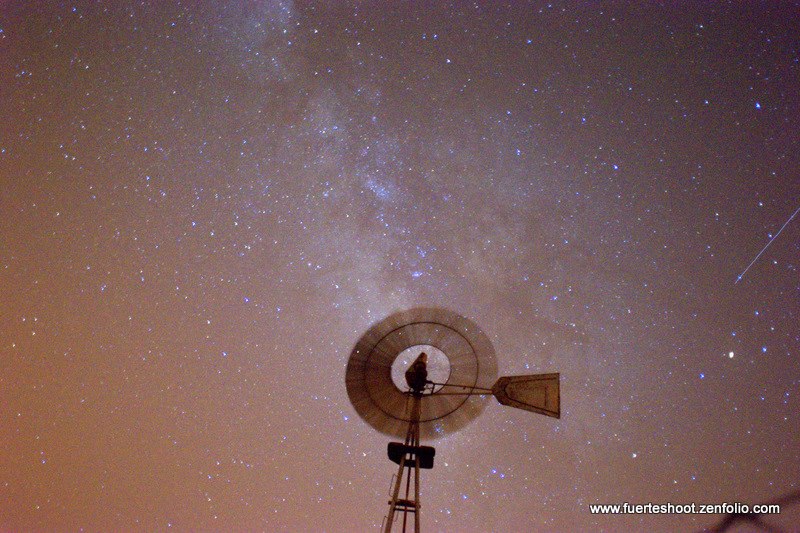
(384, 406)
(539, 393)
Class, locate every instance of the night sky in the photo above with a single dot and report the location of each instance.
(205, 204)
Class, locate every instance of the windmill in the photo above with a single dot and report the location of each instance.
(424, 373)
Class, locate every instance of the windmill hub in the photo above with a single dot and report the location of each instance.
(438, 366)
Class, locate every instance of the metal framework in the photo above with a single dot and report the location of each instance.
(409, 457)
(426, 409)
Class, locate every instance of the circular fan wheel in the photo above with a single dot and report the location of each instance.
(470, 363)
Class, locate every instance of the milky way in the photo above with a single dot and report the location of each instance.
(204, 205)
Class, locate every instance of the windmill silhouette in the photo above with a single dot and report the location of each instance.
(424, 373)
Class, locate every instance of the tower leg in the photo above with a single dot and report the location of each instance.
(416, 491)
(395, 494)
(408, 460)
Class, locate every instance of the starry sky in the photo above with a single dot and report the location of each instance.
(205, 204)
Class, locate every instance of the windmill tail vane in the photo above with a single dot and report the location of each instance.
(537, 393)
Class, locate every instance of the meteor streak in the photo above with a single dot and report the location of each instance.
(739, 278)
